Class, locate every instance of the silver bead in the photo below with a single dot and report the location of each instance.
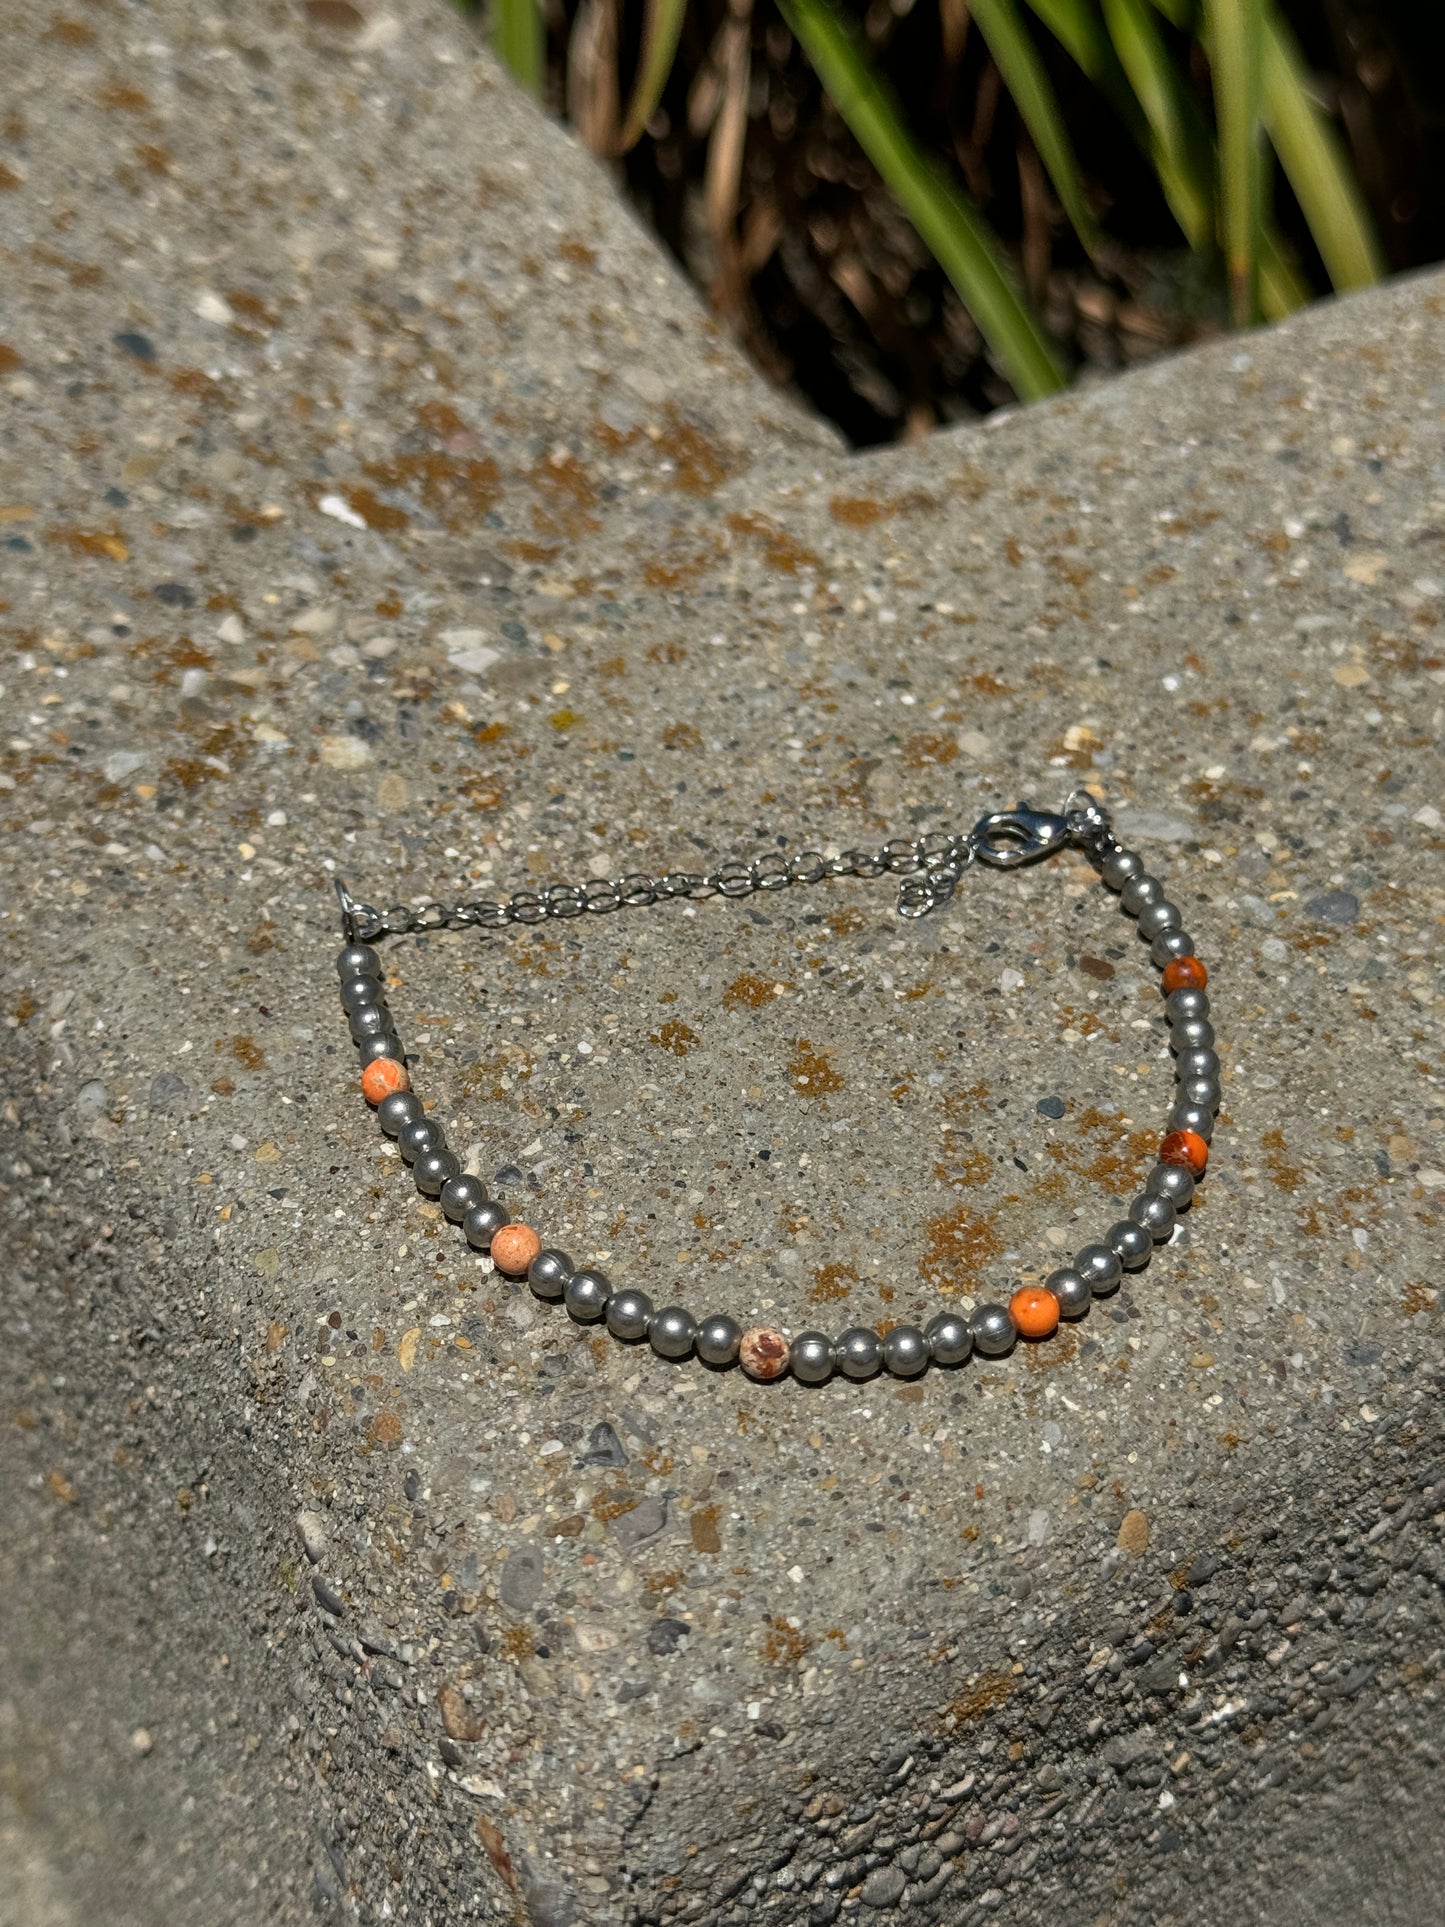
(1100, 1267)
(358, 960)
(548, 1273)
(1119, 866)
(1192, 1117)
(585, 1294)
(1155, 918)
(672, 1332)
(460, 1194)
(1139, 891)
(483, 1222)
(810, 1357)
(1170, 944)
(398, 1108)
(369, 1020)
(1206, 1092)
(905, 1351)
(993, 1329)
(1171, 1181)
(432, 1169)
(356, 991)
(860, 1352)
(1192, 1033)
(718, 1339)
(1181, 1006)
(629, 1314)
(422, 1134)
(1131, 1244)
(949, 1339)
(1155, 1214)
(1201, 1061)
(1072, 1289)
(387, 1044)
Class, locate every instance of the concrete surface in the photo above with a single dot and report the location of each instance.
(373, 497)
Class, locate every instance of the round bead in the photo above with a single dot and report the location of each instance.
(1182, 1005)
(433, 1169)
(483, 1222)
(1200, 1061)
(460, 1194)
(1155, 918)
(1206, 1092)
(1156, 1215)
(1072, 1289)
(397, 1108)
(672, 1332)
(860, 1352)
(1186, 1148)
(718, 1339)
(1192, 1033)
(548, 1273)
(1119, 866)
(358, 960)
(1172, 1181)
(1130, 1243)
(1192, 1117)
(586, 1293)
(386, 1045)
(949, 1339)
(905, 1351)
(1170, 944)
(356, 991)
(810, 1357)
(628, 1314)
(1035, 1311)
(1184, 973)
(422, 1134)
(382, 1077)
(993, 1330)
(369, 1020)
(1100, 1267)
(514, 1247)
(763, 1352)
(1139, 891)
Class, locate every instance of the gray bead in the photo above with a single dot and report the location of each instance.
(1100, 1267)
(1181, 1006)
(1192, 1033)
(398, 1108)
(483, 1222)
(1206, 1092)
(1155, 918)
(1139, 891)
(905, 1351)
(460, 1194)
(386, 1045)
(1072, 1289)
(860, 1352)
(994, 1330)
(1198, 1062)
(949, 1339)
(810, 1358)
(718, 1339)
(585, 1294)
(358, 960)
(548, 1272)
(1171, 1181)
(673, 1332)
(422, 1134)
(1155, 1214)
(433, 1169)
(369, 1020)
(1119, 866)
(1192, 1117)
(1131, 1244)
(629, 1314)
(356, 991)
(1170, 944)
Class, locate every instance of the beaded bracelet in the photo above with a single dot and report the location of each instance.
(930, 867)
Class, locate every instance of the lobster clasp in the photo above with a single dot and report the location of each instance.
(1009, 838)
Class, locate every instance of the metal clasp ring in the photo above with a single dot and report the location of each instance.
(1009, 838)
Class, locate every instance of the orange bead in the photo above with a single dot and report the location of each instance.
(514, 1247)
(382, 1076)
(1035, 1311)
(1187, 1148)
(1184, 973)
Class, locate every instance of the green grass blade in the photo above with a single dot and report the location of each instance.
(952, 228)
(1179, 140)
(1315, 163)
(520, 42)
(1080, 32)
(1235, 35)
(661, 31)
(1028, 83)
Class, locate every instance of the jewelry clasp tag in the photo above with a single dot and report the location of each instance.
(1009, 838)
